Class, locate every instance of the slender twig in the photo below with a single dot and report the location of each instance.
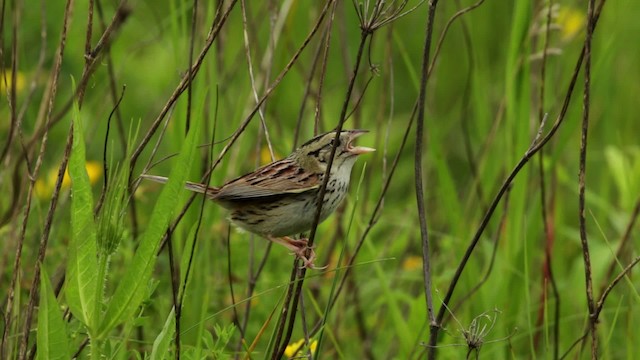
(321, 192)
(465, 117)
(184, 82)
(33, 174)
(178, 295)
(443, 34)
(113, 87)
(105, 167)
(323, 71)
(326, 36)
(600, 304)
(417, 166)
(174, 276)
(548, 245)
(581, 179)
(496, 241)
(372, 221)
(533, 149)
(121, 14)
(14, 73)
(293, 278)
(44, 240)
(242, 127)
(626, 237)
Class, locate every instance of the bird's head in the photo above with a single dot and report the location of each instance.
(317, 151)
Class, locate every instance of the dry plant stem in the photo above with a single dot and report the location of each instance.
(323, 71)
(443, 34)
(105, 168)
(465, 117)
(184, 82)
(249, 117)
(251, 286)
(323, 188)
(178, 296)
(581, 179)
(37, 73)
(305, 329)
(32, 179)
(254, 88)
(548, 246)
(174, 273)
(44, 240)
(113, 87)
(12, 93)
(422, 216)
(285, 310)
(625, 239)
(326, 38)
(182, 86)
(496, 240)
(121, 14)
(533, 149)
(372, 220)
(236, 317)
(600, 304)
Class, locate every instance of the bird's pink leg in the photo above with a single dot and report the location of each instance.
(299, 247)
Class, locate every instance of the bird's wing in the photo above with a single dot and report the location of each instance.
(279, 178)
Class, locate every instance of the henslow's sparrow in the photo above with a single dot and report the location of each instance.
(279, 199)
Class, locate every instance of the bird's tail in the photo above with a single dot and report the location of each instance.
(195, 187)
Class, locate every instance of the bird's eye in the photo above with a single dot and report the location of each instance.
(333, 141)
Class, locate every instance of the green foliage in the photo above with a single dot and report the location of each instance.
(163, 340)
(131, 289)
(482, 114)
(82, 271)
(52, 332)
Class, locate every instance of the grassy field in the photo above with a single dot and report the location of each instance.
(520, 242)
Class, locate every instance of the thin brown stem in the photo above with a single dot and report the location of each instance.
(533, 149)
(417, 166)
(32, 175)
(323, 188)
(44, 240)
(183, 85)
(582, 181)
(626, 237)
(548, 235)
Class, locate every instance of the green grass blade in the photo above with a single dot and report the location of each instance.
(162, 342)
(52, 333)
(131, 290)
(82, 270)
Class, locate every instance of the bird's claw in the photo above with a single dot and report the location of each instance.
(308, 262)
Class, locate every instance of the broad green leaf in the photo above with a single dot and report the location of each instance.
(131, 290)
(162, 342)
(82, 265)
(52, 333)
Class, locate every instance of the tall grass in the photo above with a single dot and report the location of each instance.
(98, 264)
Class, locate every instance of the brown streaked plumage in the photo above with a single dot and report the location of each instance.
(279, 199)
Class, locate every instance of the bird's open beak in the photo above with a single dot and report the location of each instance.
(357, 150)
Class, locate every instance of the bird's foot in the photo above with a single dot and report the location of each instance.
(299, 248)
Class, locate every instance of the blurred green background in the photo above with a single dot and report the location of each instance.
(482, 113)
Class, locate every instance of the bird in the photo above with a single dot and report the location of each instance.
(278, 200)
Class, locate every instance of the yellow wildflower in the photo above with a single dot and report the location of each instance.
(571, 22)
(412, 263)
(44, 185)
(294, 348)
(20, 81)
